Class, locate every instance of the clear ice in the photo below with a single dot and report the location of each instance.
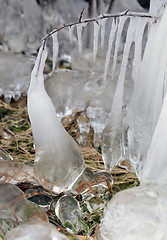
(16, 209)
(58, 159)
(37, 230)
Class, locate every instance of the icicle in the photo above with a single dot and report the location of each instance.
(117, 43)
(79, 33)
(55, 49)
(118, 97)
(58, 158)
(110, 45)
(140, 27)
(148, 91)
(71, 29)
(96, 36)
(112, 136)
(155, 167)
(103, 26)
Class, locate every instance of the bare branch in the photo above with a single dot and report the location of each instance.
(102, 16)
(80, 18)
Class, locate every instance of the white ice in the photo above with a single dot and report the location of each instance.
(110, 46)
(122, 21)
(96, 39)
(79, 34)
(71, 29)
(58, 159)
(55, 49)
(103, 29)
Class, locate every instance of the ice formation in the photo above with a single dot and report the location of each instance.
(55, 49)
(140, 213)
(110, 45)
(148, 94)
(96, 38)
(58, 160)
(102, 32)
(37, 230)
(113, 142)
(79, 34)
(16, 209)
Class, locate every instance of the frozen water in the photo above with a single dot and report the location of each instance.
(14, 172)
(103, 29)
(15, 208)
(71, 29)
(58, 160)
(154, 168)
(137, 213)
(37, 230)
(68, 211)
(55, 49)
(15, 81)
(122, 21)
(110, 45)
(79, 34)
(96, 39)
(148, 94)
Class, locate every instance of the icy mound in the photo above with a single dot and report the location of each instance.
(138, 213)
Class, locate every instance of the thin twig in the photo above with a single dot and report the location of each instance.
(102, 16)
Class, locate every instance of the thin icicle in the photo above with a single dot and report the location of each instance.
(95, 41)
(55, 49)
(71, 29)
(103, 29)
(79, 34)
(117, 43)
(110, 45)
(118, 97)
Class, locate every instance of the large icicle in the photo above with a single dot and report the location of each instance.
(148, 94)
(55, 49)
(155, 165)
(112, 139)
(102, 32)
(58, 158)
(110, 45)
(117, 43)
(96, 39)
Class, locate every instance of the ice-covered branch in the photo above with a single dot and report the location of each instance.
(102, 16)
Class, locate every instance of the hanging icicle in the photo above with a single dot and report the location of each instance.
(122, 21)
(112, 136)
(110, 45)
(71, 29)
(140, 30)
(79, 34)
(55, 49)
(96, 38)
(103, 29)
